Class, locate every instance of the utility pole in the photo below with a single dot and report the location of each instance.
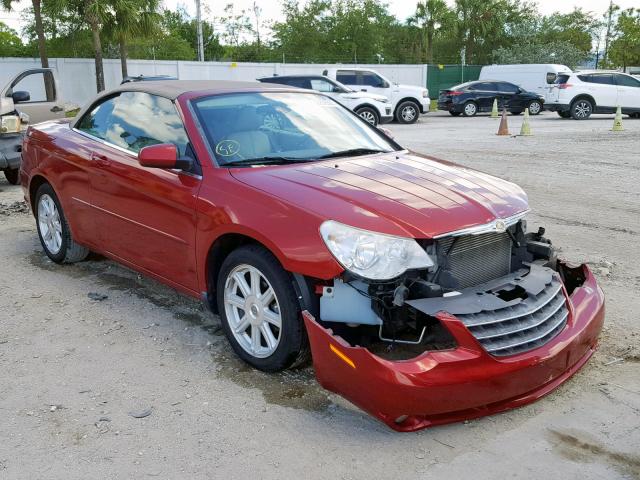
(606, 38)
(200, 39)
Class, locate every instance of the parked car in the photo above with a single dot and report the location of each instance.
(473, 97)
(31, 96)
(308, 229)
(408, 102)
(538, 78)
(580, 94)
(371, 107)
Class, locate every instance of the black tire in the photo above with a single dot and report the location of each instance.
(454, 114)
(407, 112)
(470, 108)
(565, 114)
(516, 112)
(293, 346)
(369, 115)
(535, 107)
(12, 175)
(581, 109)
(70, 251)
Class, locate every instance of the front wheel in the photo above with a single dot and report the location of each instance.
(581, 109)
(407, 112)
(259, 310)
(12, 175)
(53, 229)
(535, 107)
(369, 115)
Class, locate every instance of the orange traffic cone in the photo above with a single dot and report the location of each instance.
(503, 129)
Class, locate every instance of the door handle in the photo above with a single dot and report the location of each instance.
(100, 160)
(56, 109)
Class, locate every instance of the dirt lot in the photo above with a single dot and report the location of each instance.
(74, 369)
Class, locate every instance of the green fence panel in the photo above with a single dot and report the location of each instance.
(440, 77)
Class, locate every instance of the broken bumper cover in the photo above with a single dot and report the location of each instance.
(10, 150)
(446, 386)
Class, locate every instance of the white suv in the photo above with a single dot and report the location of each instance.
(408, 101)
(373, 108)
(580, 94)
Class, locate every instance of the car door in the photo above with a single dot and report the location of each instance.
(43, 101)
(483, 94)
(144, 216)
(605, 90)
(628, 92)
(507, 94)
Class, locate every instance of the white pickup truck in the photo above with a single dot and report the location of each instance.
(31, 96)
(408, 102)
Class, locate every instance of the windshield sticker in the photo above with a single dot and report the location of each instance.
(227, 148)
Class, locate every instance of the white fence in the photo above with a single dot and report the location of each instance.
(77, 79)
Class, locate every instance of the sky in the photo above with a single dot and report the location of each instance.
(400, 8)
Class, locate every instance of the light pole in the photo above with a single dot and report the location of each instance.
(200, 40)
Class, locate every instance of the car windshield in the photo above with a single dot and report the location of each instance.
(245, 129)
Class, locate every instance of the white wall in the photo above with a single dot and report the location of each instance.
(76, 76)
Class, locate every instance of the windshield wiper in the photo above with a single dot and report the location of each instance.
(265, 161)
(353, 152)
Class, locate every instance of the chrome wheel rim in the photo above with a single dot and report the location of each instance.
(369, 117)
(470, 109)
(583, 109)
(408, 113)
(252, 311)
(49, 224)
(534, 108)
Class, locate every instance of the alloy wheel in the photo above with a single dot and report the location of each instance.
(368, 116)
(253, 311)
(408, 113)
(534, 108)
(583, 109)
(50, 224)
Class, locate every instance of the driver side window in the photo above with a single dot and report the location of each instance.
(321, 86)
(372, 80)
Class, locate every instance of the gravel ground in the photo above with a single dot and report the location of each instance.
(76, 370)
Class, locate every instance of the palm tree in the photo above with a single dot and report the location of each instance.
(429, 15)
(37, 13)
(131, 18)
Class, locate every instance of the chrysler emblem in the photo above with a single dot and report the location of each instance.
(500, 226)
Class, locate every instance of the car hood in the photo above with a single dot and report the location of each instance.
(400, 193)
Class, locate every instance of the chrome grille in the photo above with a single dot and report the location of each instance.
(522, 327)
(475, 259)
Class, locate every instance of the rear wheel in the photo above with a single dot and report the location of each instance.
(53, 229)
(369, 115)
(12, 176)
(259, 310)
(535, 107)
(407, 112)
(469, 109)
(581, 109)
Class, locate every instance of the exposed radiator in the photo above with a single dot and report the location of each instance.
(474, 259)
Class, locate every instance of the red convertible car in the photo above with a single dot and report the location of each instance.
(412, 282)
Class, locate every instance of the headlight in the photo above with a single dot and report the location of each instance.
(425, 94)
(372, 255)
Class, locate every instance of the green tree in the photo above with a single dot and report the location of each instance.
(37, 13)
(430, 15)
(560, 51)
(577, 28)
(10, 43)
(131, 19)
(625, 48)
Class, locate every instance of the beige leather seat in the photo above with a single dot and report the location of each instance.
(252, 142)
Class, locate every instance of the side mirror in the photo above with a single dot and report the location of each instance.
(20, 96)
(385, 84)
(162, 155)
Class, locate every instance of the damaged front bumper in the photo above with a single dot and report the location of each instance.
(468, 381)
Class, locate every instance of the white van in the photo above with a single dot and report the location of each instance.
(534, 77)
